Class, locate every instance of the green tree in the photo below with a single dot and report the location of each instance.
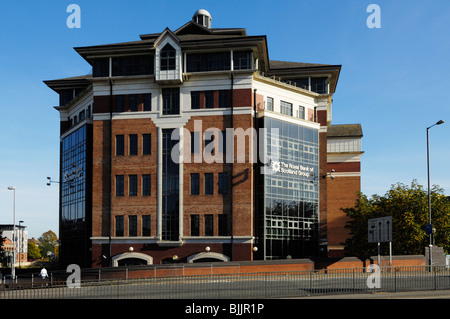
(48, 242)
(408, 207)
(33, 251)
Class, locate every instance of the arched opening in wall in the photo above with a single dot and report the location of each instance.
(131, 262)
(207, 257)
(131, 259)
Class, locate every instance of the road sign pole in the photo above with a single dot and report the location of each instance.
(379, 265)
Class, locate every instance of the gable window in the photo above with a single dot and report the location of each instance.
(167, 58)
(171, 101)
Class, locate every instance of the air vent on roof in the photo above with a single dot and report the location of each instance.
(202, 17)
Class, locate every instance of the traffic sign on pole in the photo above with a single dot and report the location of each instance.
(380, 230)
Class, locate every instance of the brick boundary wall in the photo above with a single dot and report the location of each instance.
(246, 267)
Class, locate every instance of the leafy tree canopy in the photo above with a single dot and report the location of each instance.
(408, 206)
(48, 242)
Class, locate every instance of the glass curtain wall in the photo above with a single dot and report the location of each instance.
(170, 189)
(75, 198)
(288, 206)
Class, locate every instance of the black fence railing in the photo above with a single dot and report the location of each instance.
(238, 285)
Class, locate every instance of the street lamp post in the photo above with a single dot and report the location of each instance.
(20, 235)
(13, 271)
(430, 227)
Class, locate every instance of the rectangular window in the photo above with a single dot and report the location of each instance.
(132, 187)
(223, 183)
(133, 138)
(204, 62)
(146, 185)
(286, 108)
(209, 183)
(223, 98)
(301, 112)
(223, 142)
(132, 65)
(209, 225)
(146, 144)
(133, 102)
(167, 58)
(195, 225)
(119, 145)
(120, 103)
(223, 225)
(132, 225)
(319, 85)
(119, 185)
(195, 143)
(171, 101)
(101, 67)
(119, 226)
(242, 60)
(209, 99)
(146, 225)
(147, 102)
(195, 100)
(269, 103)
(195, 183)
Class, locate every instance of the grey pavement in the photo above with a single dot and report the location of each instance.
(423, 294)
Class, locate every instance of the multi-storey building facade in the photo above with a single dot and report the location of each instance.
(250, 181)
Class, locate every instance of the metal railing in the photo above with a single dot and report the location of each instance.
(240, 285)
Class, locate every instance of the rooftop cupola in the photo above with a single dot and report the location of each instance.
(202, 17)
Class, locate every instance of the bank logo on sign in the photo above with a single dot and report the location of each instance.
(275, 166)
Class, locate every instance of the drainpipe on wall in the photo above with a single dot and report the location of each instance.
(110, 167)
(232, 165)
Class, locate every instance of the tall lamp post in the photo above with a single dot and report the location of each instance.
(20, 235)
(430, 227)
(13, 271)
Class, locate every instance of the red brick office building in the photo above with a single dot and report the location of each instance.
(126, 199)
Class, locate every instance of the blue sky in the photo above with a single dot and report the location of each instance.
(394, 79)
